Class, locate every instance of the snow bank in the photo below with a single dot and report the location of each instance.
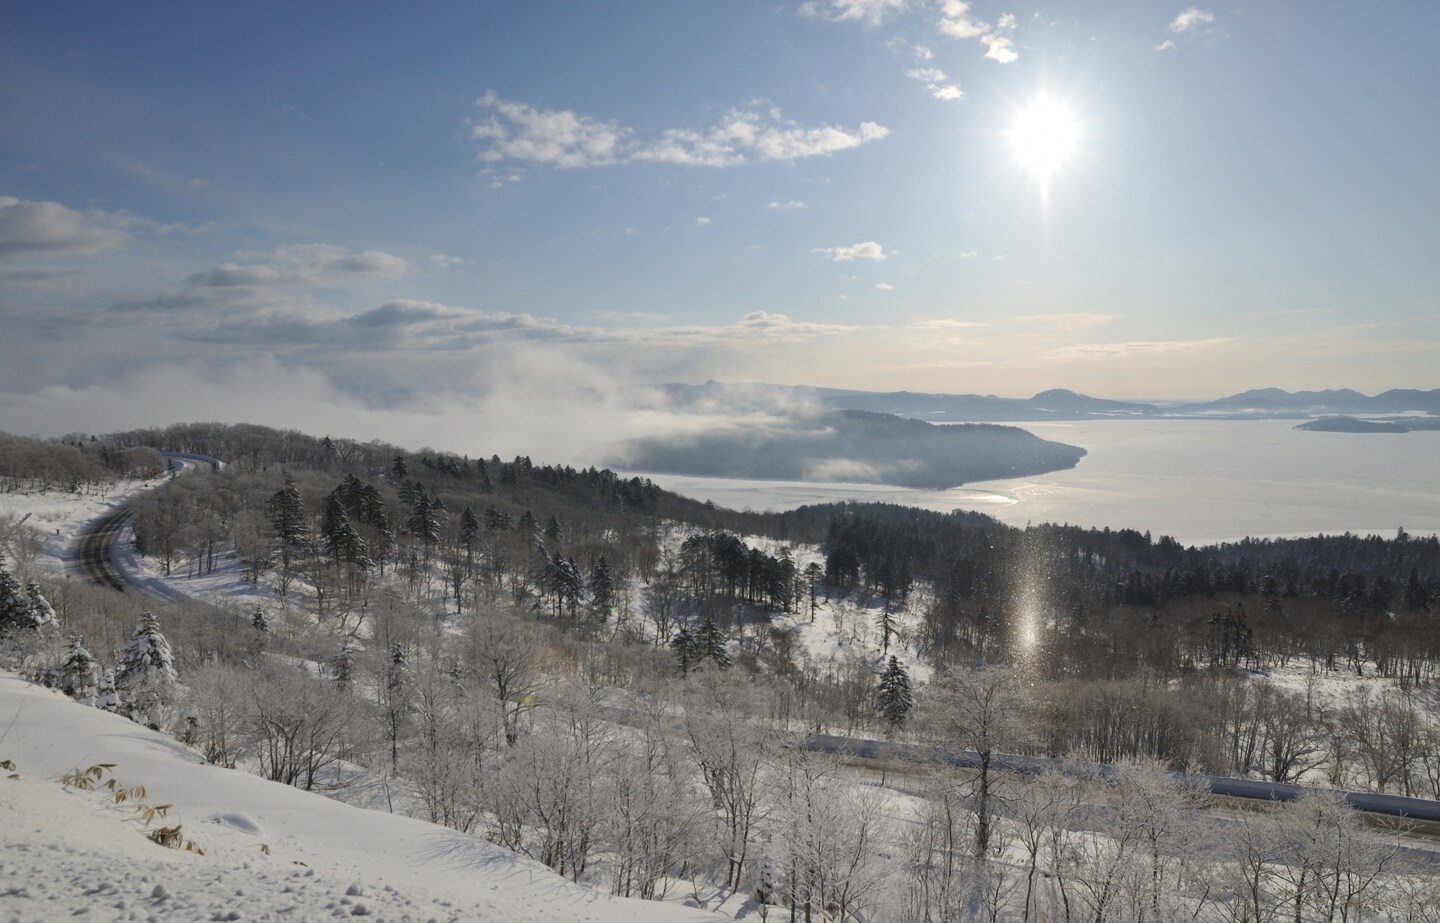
(271, 852)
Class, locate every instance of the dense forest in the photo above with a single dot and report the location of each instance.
(618, 681)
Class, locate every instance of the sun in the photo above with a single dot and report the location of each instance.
(1043, 136)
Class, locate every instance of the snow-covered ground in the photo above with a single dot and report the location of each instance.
(57, 516)
(271, 852)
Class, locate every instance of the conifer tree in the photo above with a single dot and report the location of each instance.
(683, 644)
(25, 610)
(342, 666)
(146, 677)
(893, 699)
(469, 532)
(710, 643)
(78, 674)
(885, 623)
(602, 587)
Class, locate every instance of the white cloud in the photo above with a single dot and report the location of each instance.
(1094, 352)
(1190, 18)
(999, 48)
(869, 12)
(744, 135)
(936, 82)
(1166, 45)
(49, 226)
(869, 250)
(786, 205)
(702, 221)
(548, 137)
(884, 287)
(957, 22)
(445, 261)
(923, 53)
(969, 254)
(301, 264)
(566, 140)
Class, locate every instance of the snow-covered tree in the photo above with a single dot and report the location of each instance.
(146, 677)
(25, 610)
(78, 674)
(107, 697)
(892, 696)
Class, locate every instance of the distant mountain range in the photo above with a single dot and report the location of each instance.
(1057, 404)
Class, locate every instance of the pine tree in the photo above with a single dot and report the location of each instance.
(342, 666)
(552, 531)
(22, 611)
(892, 698)
(260, 631)
(683, 644)
(146, 677)
(78, 674)
(399, 471)
(602, 587)
(107, 697)
(286, 512)
(397, 698)
(469, 532)
(710, 643)
(885, 623)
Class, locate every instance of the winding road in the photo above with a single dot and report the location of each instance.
(95, 550)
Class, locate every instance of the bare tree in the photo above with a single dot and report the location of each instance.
(977, 708)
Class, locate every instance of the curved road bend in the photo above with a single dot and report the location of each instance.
(96, 547)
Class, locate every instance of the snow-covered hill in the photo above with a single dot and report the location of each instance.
(271, 852)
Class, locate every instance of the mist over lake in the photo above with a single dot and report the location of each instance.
(1199, 481)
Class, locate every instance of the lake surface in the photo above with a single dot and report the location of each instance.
(1200, 481)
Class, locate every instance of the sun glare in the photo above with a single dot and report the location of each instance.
(1043, 136)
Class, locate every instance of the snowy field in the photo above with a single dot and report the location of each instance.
(271, 852)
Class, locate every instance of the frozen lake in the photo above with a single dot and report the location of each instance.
(1197, 480)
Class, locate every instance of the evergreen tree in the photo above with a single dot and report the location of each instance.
(552, 531)
(399, 471)
(342, 666)
(885, 622)
(424, 520)
(79, 674)
(683, 644)
(107, 697)
(814, 573)
(22, 611)
(146, 677)
(602, 587)
(892, 698)
(285, 511)
(710, 643)
(469, 532)
(397, 698)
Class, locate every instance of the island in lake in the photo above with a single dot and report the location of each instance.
(1352, 425)
(857, 447)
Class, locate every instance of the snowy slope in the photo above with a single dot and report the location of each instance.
(65, 852)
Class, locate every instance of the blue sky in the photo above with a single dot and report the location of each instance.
(262, 208)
